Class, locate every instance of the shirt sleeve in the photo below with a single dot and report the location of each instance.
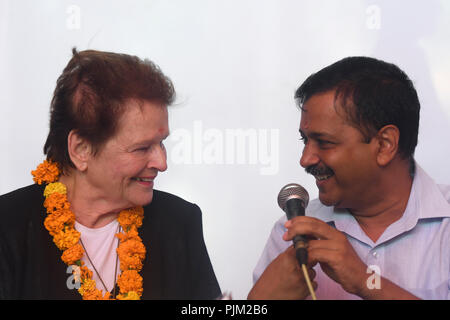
(274, 246)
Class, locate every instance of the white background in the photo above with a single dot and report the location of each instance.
(235, 65)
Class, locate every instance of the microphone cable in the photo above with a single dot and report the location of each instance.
(301, 253)
(308, 282)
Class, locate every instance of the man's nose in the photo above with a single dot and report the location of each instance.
(309, 156)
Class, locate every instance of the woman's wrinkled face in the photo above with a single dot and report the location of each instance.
(126, 166)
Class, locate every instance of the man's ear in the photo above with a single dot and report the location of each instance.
(79, 150)
(388, 138)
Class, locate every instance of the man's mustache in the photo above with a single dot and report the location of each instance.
(317, 170)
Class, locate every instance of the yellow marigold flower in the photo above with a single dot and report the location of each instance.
(88, 286)
(67, 238)
(130, 280)
(132, 295)
(73, 254)
(131, 253)
(55, 187)
(46, 172)
(131, 217)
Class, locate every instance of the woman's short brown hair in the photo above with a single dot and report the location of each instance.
(90, 97)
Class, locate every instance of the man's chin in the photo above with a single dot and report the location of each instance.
(327, 201)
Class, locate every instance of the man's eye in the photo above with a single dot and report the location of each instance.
(324, 143)
(304, 139)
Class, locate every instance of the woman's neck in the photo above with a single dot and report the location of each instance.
(91, 209)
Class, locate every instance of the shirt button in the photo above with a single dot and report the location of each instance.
(375, 254)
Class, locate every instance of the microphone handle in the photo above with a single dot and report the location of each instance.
(301, 251)
(296, 207)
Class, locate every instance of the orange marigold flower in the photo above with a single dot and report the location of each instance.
(92, 295)
(58, 220)
(85, 273)
(107, 296)
(131, 253)
(53, 225)
(46, 172)
(131, 217)
(66, 238)
(73, 254)
(96, 295)
(136, 210)
(131, 234)
(130, 280)
(55, 202)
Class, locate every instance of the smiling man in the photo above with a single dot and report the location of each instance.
(377, 209)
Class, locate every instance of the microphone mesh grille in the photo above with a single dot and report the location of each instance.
(292, 190)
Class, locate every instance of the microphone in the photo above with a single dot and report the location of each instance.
(293, 200)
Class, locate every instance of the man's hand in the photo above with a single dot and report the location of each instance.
(282, 280)
(332, 250)
(337, 258)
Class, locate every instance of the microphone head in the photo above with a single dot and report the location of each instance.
(291, 191)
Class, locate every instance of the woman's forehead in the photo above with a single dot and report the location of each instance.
(144, 121)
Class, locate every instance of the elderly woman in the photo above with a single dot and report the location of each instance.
(92, 226)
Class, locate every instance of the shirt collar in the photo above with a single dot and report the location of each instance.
(426, 198)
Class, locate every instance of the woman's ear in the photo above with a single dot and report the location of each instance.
(388, 138)
(79, 150)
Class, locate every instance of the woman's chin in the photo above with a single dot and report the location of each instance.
(141, 199)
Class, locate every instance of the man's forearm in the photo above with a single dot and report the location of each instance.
(386, 291)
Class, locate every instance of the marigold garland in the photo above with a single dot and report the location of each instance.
(60, 222)
(46, 172)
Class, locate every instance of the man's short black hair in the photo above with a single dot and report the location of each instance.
(373, 94)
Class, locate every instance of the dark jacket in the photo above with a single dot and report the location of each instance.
(176, 266)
